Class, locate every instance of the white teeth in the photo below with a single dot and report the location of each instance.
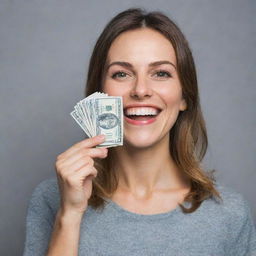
(141, 111)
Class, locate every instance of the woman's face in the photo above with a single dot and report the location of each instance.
(141, 68)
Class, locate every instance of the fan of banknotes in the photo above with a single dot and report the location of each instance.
(101, 114)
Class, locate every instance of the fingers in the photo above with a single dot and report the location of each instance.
(87, 143)
(85, 171)
(75, 175)
(75, 166)
(83, 152)
(75, 171)
(78, 156)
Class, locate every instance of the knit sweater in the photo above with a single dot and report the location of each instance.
(216, 228)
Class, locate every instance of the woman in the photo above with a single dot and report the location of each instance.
(151, 195)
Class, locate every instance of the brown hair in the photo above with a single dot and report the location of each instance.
(188, 136)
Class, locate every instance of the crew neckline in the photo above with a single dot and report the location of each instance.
(123, 211)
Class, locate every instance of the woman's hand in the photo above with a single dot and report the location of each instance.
(75, 171)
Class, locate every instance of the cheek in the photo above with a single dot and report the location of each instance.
(171, 96)
(114, 90)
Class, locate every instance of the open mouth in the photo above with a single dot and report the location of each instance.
(140, 117)
(141, 113)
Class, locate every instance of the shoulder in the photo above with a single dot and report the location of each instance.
(239, 221)
(46, 194)
(233, 201)
(234, 209)
(230, 212)
(48, 185)
(47, 188)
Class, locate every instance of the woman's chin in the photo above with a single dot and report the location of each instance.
(140, 142)
(137, 145)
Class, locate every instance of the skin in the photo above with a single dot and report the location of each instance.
(148, 176)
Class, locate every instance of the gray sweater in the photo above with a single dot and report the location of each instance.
(214, 229)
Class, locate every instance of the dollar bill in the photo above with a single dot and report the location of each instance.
(101, 114)
(109, 119)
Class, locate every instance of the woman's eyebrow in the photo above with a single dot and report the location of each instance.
(129, 65)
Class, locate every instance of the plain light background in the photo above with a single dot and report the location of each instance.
(45, 48)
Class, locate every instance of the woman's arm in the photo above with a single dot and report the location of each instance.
(56, 232)
(75, 171)
(65, 234)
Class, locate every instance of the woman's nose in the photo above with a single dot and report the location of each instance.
(141, 88)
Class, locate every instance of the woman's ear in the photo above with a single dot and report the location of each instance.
(183, 105)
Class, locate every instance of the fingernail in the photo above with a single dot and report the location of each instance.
(101, 136)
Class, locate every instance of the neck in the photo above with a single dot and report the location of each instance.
(145, 170)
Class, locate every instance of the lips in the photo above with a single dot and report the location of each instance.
(140, 111)
(141, 114)
(142, 106)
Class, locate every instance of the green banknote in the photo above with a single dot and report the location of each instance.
(101, 114)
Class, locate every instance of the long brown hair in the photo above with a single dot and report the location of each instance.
(188, 136)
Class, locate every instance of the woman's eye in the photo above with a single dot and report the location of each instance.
(119, 74)
(162, 73)
(158, 74)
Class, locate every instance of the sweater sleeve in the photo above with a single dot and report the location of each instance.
(39, 222)
(245, 244)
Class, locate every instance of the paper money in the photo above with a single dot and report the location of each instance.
(101, 114)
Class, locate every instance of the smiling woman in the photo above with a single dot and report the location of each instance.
(145, 86)
(149, 64)
(150, 196)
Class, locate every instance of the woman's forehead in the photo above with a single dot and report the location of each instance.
(141, 46)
